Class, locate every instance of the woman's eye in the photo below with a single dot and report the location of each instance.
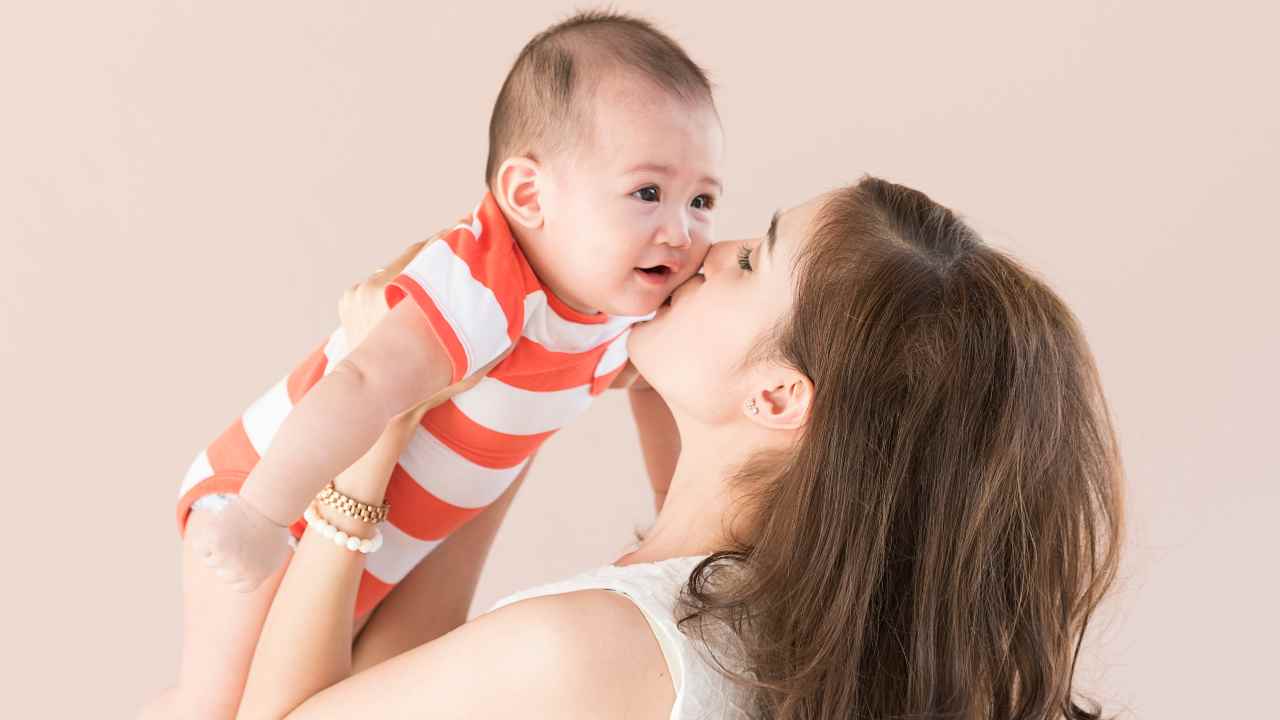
(704, 202)
(648, 193)
(744, 258)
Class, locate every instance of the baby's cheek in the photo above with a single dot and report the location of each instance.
(707, 233)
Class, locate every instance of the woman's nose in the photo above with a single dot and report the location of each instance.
(719, 256)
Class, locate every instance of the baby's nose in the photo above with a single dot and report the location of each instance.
(676, 233)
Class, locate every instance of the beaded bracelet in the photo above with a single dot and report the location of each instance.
(340, 538)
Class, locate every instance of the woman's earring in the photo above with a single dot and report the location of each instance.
(751, 407)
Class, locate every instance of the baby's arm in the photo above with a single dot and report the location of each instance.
(400, 364)
(445, 326)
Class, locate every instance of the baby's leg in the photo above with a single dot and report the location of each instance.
(220, 628)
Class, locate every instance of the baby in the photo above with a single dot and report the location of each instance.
(602, 175)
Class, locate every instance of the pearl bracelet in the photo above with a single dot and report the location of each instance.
(340, 538)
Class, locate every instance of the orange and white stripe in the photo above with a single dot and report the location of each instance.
(481, 298)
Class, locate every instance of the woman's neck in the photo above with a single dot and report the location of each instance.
(699, 511)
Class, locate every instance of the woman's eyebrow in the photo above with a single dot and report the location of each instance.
(772, 235)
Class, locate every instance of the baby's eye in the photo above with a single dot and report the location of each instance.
(648, 193)
(704, 202)
(744, 258)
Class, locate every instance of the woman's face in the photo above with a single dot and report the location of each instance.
(693, 351)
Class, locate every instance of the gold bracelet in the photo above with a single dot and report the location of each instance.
(349, 506)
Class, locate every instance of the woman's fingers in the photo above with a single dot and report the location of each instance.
(363, 305)
(402, 260)
(405, 422)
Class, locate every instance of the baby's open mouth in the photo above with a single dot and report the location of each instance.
(655, 276)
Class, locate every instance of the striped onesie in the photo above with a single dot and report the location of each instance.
(481, 298)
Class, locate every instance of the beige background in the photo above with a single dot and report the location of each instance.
(186, 187)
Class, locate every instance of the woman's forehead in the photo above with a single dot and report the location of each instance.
(790, 227)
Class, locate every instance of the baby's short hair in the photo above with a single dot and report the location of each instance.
(543, 102)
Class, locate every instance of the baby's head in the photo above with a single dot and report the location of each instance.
(604, 154)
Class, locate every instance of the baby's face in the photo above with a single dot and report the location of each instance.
(630, 214)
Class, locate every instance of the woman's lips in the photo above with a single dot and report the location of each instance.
(697, 278)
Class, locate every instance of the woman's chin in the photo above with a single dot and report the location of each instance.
(640, 343)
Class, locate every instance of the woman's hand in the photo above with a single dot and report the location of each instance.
(364, 303)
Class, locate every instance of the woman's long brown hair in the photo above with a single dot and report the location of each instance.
(935, 544)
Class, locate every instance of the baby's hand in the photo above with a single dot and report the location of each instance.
(241, 545)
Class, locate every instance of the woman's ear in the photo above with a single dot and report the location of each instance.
(519, 191)
(782, 402)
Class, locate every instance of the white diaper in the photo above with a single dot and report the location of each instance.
(214, 502)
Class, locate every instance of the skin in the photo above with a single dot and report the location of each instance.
(221, 626)
(587, 221)
(641, 195)
(547, 653)
(640, 192)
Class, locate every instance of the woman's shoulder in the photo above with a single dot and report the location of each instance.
(595, 645)
(628, 616)
(652, 582)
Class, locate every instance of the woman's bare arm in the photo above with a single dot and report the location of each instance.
(586, 654)
(435, 596)
(321, 584)
(361, 309)
(582, 655)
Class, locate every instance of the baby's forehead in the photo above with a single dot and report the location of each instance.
(629, 127)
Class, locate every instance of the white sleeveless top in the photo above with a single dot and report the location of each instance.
(702, 692)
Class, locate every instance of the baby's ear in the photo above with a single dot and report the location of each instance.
(519, 191)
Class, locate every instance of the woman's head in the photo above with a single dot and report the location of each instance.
(942, 519)
(712, 352)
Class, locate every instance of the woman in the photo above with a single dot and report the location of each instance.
(896, 495)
